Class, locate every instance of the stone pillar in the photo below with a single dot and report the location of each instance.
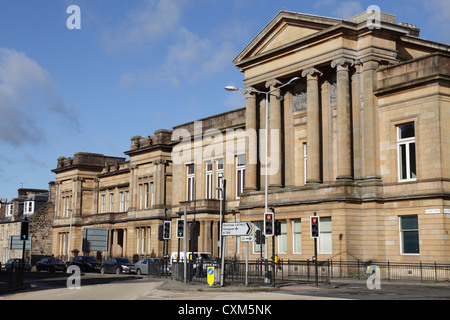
(251, 148)
(344, 133)
(313, 125)
(159, 184)
(370, 170)
(274, 134)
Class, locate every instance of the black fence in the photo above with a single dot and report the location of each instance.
(306, 270)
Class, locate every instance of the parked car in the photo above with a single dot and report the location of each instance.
(51, 264)
(155, 265)
(16, 263)
(86, 263)
(117, 266)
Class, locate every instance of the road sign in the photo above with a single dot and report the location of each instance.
(247, 239)
(236, 229)
(210, 279)
(95, 239)
(15, 243)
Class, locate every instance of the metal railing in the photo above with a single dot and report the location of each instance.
(305, 271)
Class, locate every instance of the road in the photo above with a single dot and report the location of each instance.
(47, 286)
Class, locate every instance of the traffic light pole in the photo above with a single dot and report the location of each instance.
(315, 262)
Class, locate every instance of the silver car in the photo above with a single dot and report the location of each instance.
(155, 266)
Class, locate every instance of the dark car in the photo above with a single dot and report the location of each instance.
(117, 266)
(16, 263)
(86, 264)
(50, 264)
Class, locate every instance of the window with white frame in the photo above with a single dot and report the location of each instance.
(9, 210)
(406, 145)
(240, 174)
(28, 207)
(325, 240)
(297, 236)
(127, 200)
(209, 180)
(219, 174)
(282, 238)
(305, 161)
(409, 235)
(121, 202)
(143, 240)
(102, 203)
(190, 182)
(152, 194)
(111, 202)
(147, 195)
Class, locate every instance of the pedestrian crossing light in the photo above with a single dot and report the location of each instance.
(24, 230)
(269, 224)
(315, 226)
(166, 230)
(180, 228)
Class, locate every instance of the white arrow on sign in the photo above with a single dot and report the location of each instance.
(236, 229)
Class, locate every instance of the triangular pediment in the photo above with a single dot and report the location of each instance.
(286, 28)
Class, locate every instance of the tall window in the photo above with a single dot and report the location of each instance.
(102, 205)
(121, 202)
(111, 202)
(409, 235)
(28, 207)
(297, 235)
(406, 145)
(305, 160)
(190, 183)
(209, 180)
(240, 174)
(127, 200)
(9, 209)
(147, 195)
(282, 238)
(219, 173)
(152, 194)
(325, 236)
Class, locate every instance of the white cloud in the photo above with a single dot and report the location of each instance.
(148, 22)
(28, 99)
(187, 55)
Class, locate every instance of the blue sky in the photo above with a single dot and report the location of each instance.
(134, 67)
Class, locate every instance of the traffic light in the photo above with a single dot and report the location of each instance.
(269, 224)
(258, 236)
(180, 228)
(278, 228)
(166, 230)
(315, 226)
(24, 230)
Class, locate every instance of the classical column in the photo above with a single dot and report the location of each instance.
(274, 134)
(370, 170)
(252, 143)
(159, 183)
(344, 135)
(313, 125)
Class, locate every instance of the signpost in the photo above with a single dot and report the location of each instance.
(236, 229)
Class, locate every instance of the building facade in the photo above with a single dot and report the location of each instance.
(35, 205)
(360, 139)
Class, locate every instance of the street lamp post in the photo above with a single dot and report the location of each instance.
(267, 94)
(70, 234)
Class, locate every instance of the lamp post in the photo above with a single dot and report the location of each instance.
(267, 94)
(70, 234)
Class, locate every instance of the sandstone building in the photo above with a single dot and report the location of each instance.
(360, 139)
